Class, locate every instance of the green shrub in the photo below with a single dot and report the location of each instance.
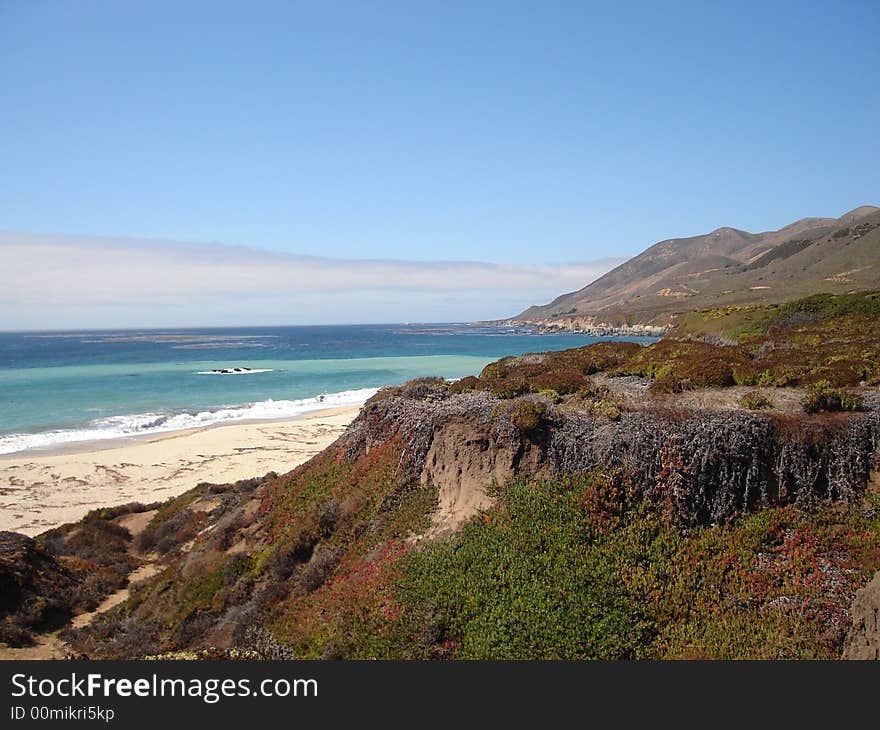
(527, 415)
(527, 582)
(821, 396)
(744, 376)
(550, 395)
(755, 401)
(606, 408)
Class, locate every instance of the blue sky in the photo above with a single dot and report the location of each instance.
(531, 134)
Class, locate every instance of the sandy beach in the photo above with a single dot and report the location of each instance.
(38, 492)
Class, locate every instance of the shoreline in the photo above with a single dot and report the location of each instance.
(72, 448)
(42, 490)
(133, 427)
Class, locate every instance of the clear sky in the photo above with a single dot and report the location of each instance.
(524, 133)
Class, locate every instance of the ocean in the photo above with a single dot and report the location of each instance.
(64, 387)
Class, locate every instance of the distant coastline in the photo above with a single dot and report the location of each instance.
(579, 326)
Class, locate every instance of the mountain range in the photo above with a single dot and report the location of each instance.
(727, 267)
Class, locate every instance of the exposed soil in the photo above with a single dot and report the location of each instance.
(863, 640)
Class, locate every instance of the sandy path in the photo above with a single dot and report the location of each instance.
(38, 492)
(147, 570)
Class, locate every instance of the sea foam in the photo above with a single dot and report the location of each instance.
(139, 424)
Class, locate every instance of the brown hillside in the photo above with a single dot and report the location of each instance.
(728, 267)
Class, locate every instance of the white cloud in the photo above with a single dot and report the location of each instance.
(58, 281)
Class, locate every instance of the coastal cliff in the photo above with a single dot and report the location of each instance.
(703, 496)
(327, 561)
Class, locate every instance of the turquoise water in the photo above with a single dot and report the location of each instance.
(65, 387)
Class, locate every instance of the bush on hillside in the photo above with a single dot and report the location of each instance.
(755, 401)
(821, 396)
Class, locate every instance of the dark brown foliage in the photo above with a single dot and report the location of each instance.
(563, 382)
(37, 592)
(98, 549)
(418, 389)
(464, 384)
(564, 372)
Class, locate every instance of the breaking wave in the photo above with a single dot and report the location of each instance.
(116, 427)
